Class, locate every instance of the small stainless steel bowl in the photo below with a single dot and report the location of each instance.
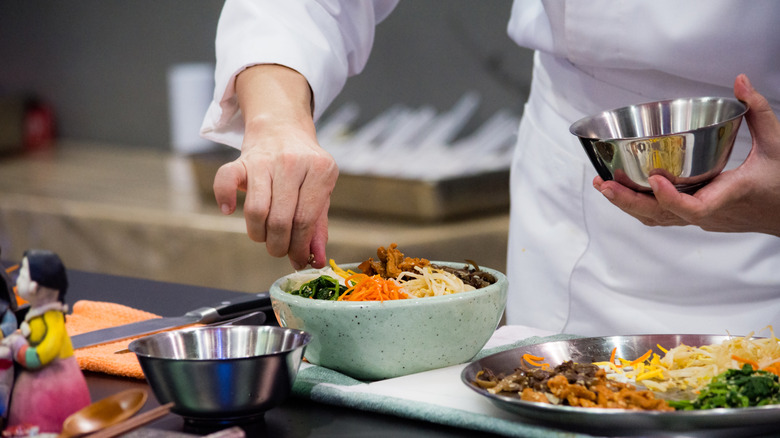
(222, 374)
(686, 140)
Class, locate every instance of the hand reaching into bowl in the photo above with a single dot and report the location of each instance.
(287, 176)
(745, 199)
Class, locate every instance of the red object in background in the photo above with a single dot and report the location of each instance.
(38, 127)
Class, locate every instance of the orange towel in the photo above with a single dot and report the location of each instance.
(95, 315)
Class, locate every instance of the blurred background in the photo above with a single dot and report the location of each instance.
(89, 168)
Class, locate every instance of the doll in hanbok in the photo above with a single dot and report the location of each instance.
(8, 325)
(49, 385)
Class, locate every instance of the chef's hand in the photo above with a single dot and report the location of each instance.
(287, 176)
(745, 199)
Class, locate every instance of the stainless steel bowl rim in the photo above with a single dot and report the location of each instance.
(137, 344)
(574, 126)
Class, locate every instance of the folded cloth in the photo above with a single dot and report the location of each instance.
(95, 315)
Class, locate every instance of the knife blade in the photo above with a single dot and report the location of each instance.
(253, 318)
(204, 315)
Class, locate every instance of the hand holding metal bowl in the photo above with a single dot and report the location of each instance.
(686, 140)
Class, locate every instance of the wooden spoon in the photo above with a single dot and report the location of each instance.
(104, 413)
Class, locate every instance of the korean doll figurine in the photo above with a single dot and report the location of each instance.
(49, 385)
(8, 325)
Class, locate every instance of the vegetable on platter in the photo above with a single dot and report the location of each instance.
(739, 372)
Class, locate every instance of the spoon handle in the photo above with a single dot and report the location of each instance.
(133, 422)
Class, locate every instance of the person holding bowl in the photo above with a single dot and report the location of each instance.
(746, 199)
(575, 263)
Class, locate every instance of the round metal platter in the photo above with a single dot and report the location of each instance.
(616, 421)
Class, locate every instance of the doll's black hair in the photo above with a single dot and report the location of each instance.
(47, 270)
(6, 290)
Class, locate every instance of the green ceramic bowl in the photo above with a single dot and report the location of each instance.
(380, 340)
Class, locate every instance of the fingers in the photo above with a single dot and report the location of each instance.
(309, 222)
(230, 177)
(760, 110)
(667, 206)
(316, 257)
(287, 200)
(666, 193)
(644, 207)
(762, 122)
(319, 240)
(258, 203)
(686, 207)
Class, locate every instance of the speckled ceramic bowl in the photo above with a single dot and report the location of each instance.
(380, 340)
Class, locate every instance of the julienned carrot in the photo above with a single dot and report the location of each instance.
(371, 288)
(612, 357)
(774, 368)
(642, 358)
(752, 363)
(534, 360)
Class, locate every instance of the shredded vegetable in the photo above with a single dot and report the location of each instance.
(687, 368)
(372, 288)
(339, 271)
(430, 282)
(323, 287)
(416, 281)
(536, 361)
(736, 388)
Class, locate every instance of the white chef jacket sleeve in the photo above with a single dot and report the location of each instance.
(324, 40)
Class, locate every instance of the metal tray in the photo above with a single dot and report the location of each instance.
(422, 200)
(721, 422)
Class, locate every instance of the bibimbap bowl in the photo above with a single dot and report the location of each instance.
(372, 340)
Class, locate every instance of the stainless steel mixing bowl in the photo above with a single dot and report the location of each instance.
(222, 374)
(686, 140)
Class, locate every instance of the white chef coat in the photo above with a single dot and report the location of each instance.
(576, 263)
(580, 265)
(324, 40)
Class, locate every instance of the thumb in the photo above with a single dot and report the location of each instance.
(761, 120)
(230, 177)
